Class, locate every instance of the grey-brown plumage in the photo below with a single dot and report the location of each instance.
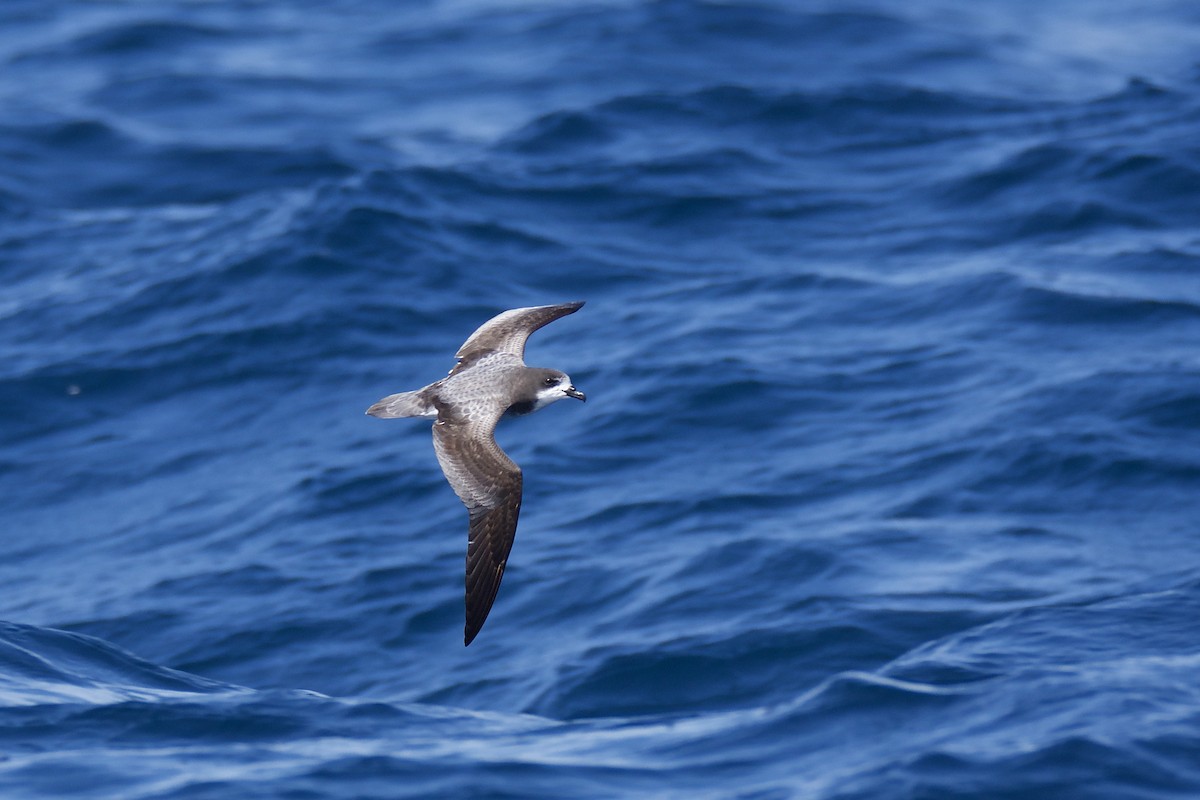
(489, 381)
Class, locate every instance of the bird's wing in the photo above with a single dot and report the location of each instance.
(489, 484)
(508, 332)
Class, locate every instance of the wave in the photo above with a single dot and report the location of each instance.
(43, 666)
(136, 171)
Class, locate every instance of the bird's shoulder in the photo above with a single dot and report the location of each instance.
(485, 364)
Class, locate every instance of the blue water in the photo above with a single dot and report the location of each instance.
(888, 484)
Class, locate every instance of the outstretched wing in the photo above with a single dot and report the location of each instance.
(489, 485)
(509, 331)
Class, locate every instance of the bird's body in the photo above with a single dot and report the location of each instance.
(489, 381)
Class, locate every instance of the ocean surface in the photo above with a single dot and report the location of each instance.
(888, 482)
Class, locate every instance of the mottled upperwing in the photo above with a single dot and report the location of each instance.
(508, 332)
(489, 485)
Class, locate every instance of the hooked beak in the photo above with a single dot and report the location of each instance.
(571, 391)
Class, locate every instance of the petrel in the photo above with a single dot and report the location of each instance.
(489, 381)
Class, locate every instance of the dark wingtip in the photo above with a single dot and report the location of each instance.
(471, 627)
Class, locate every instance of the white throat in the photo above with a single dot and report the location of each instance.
(548, 395)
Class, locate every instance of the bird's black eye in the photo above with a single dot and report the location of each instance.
(551, 381)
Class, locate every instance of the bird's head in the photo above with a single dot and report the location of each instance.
(551, 385)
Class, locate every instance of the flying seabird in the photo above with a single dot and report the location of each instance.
(489, 381)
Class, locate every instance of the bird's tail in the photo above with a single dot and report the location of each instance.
(405, 404)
